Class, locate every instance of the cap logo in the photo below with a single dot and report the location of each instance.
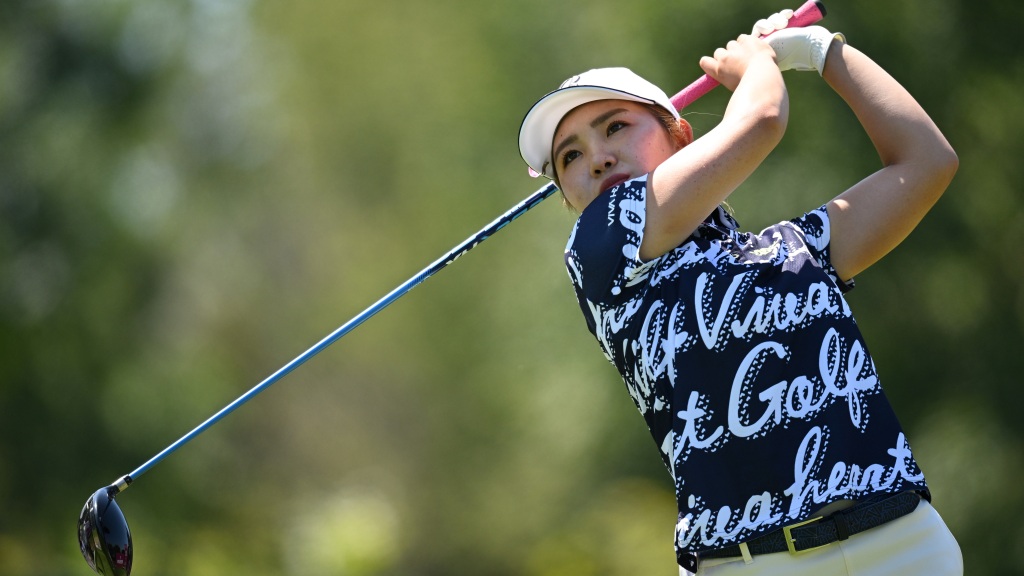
(571, 81)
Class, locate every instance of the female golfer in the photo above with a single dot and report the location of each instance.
(738, 348)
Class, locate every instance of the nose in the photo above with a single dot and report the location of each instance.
(602, 163)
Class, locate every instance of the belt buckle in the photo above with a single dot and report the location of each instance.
(787, 531)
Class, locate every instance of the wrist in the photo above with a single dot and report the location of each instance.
(822, 43)
(833, 52)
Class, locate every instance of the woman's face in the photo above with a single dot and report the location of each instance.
(604, 143)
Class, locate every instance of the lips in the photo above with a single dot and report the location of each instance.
(613, 180)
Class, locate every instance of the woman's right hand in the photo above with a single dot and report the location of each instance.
(729, 64)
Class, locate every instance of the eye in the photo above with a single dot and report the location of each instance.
(616, 125)
(568, 156)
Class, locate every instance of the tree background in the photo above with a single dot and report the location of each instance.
(193, 192)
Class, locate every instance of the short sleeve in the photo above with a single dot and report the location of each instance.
(603, 253)
(817, 232)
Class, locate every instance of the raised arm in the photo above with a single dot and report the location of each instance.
(872, 217)
(689, 185)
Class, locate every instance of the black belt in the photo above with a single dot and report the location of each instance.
(822, 531)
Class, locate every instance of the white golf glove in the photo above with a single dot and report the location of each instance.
(796, 48)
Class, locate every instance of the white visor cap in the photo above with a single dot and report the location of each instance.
(537, 132)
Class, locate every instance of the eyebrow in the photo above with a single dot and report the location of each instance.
(593, 124)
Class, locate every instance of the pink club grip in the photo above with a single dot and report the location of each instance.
(811, 12)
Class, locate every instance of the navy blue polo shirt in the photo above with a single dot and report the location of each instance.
(744, 359)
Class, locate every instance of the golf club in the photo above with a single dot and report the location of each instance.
(103, 533)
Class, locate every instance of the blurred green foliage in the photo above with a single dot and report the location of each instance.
(192, 192)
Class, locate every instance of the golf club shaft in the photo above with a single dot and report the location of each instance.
(467, 245)
(810, 12)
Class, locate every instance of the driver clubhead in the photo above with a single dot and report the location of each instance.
(103, 535)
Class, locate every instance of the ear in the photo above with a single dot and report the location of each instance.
(685, 136)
